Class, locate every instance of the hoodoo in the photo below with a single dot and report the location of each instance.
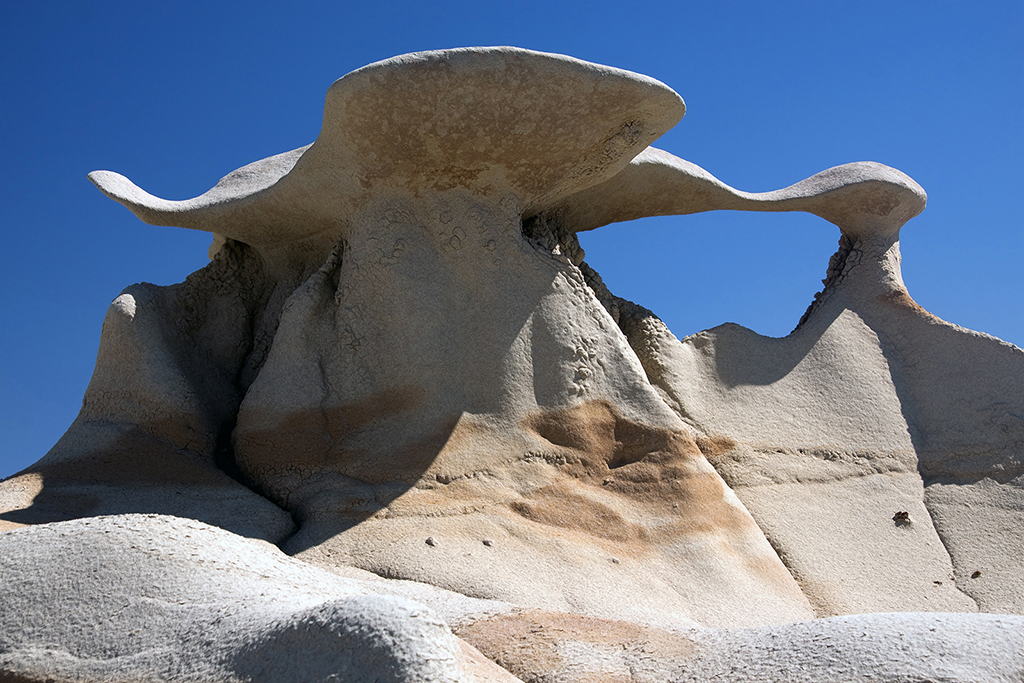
(399, 429)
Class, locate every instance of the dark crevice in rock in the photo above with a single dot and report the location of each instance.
(837, 266)
(297, 522)
(641, 327)
(630, 317)
(224, 454)
(547, 231)
(224, 316)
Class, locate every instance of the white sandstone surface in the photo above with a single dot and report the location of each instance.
(398, 429)
(151, 597)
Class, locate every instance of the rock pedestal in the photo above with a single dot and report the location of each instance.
(456, 455)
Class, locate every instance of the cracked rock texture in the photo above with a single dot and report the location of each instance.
(151, 597)
(398, 429)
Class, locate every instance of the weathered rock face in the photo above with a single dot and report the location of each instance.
(398, 363)
(156, 419)
(439, 373)
(870, 407)
(147, 597)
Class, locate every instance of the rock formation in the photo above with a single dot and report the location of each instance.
(399, 370)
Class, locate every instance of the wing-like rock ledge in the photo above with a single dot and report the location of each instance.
(864, 199)
(386, 372)
(491, 120)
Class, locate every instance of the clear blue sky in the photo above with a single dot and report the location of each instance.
(175, 95)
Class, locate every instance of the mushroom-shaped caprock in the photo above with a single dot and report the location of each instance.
(865, 199)
(439, 369)
(490, 120)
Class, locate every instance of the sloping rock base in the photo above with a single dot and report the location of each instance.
(399, 430)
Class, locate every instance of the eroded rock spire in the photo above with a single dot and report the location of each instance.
(398, 365)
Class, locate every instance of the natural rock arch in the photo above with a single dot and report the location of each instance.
(398, 362)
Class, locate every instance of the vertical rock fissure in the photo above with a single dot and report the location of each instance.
(833, 276)
(949, 553)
